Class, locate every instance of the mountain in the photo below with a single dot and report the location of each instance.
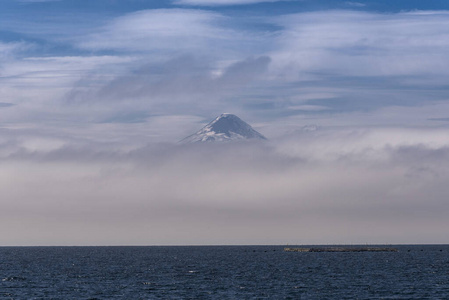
(226, 127)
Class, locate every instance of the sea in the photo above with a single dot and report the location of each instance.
(222, 272)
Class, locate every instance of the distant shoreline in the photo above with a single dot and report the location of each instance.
(342, 249)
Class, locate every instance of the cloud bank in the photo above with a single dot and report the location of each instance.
(325, 186)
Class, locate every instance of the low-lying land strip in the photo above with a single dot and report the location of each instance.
(341, 249)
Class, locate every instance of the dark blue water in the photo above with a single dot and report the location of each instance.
(232, 272)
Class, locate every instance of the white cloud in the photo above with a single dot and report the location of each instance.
(10, 50)
(37, 85)
(222, 2)
(365, 44)
(355, 4)
(36, 1)
(326, 186)
(320, 60)
(53, 71)
(171, 30)
(184, 85)
(308, 107)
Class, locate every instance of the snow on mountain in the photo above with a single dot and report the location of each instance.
(227, 127)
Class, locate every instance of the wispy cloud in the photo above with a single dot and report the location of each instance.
(8, 50)
(36, 1)
(184, 85)
(170, 30)
(365, 60)
(328, 68)
(380, 45)
(222, 2)
(5, 104)
(355, 4)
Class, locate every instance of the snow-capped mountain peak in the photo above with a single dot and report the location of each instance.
(226, 127)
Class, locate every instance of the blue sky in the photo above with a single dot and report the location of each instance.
(95, 94)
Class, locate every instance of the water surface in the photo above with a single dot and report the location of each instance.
(222, 272)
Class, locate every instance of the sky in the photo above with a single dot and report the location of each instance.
(353, 97)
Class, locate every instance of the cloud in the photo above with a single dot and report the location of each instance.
(221, 2)
(327, 66)
(172, 30)
(35, 86)
(355, 4)
(182, 85)
(36, 1)
(439, 119)
(326, 186)
(349, 43)
(363, 61)
(82, 130)
(5, 104)
(9, 50)
(53, 71)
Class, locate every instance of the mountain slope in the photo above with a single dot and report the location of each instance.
(227, 127)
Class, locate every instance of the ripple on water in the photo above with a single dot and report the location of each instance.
(264, 272)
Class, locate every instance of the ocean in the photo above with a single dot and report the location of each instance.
(222, 272)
